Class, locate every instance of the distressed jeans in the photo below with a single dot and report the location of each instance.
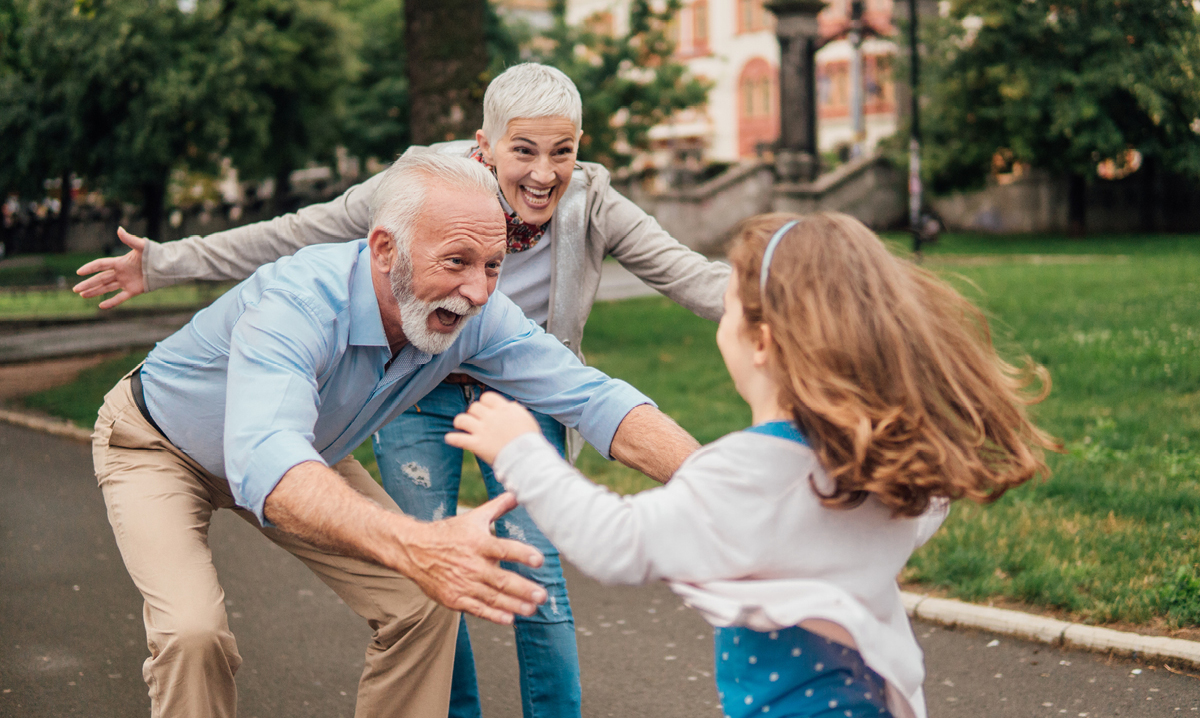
(421, 472)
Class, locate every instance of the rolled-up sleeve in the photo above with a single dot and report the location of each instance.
(519, 359)
(277, 350)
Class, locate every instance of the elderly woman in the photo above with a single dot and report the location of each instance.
(563, 219)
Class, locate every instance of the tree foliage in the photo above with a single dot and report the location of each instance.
(1061, 85)
(124, 91)
(629, 82)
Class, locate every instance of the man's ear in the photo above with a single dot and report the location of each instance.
(484, 146)
(383, 250)
(762, 345)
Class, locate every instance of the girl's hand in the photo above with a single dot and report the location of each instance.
(489, 424)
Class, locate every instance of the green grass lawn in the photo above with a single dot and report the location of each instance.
(1112, 535)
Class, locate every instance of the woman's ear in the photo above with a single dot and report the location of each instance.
(484, 146)
(762, 345)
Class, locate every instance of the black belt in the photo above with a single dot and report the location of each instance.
(139, 398)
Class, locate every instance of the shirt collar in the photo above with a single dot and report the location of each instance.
(366, 322)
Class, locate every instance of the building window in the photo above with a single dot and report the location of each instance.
(751, 16)
(758, 123)
(700, 26)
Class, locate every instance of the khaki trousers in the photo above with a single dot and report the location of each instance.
(160, 504)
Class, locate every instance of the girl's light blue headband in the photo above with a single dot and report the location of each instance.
(766, 261)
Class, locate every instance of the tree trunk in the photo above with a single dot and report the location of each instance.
(1077, 205)
(446, 66)
(282, 200)
(154, 197)
(1148, 199)
(66, 201)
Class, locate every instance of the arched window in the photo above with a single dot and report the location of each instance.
(700, 27)
(758, 106)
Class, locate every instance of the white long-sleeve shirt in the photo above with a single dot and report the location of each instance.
(742, 537)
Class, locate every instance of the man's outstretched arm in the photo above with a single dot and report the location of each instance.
(454, 561)
(651, 442)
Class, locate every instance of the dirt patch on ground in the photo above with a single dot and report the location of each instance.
(18, 380)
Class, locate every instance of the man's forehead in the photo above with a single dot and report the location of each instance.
(456, 217)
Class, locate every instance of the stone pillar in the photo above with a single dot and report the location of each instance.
(796, 159)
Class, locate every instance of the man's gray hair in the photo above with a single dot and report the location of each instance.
(529, 90)
(398, 199)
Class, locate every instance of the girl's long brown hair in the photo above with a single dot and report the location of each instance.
(889, 372)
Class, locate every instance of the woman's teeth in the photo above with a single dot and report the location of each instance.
(536, 197)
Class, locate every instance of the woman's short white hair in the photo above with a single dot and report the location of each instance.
(398, 199)
(529, 90)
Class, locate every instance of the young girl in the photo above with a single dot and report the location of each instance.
(876, 398)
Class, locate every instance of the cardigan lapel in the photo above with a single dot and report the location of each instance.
(567, 268)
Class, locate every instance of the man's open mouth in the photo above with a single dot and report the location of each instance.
(536, 198)
(446, 318)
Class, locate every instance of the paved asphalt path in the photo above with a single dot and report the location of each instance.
(72, 643)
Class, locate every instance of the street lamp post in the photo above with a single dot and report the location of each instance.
(798, 33)
(914, 142)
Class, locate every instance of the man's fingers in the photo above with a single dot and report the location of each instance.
(515, 551)
(489, 511)
(486, 612)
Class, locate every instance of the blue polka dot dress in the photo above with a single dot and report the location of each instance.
(794, 672)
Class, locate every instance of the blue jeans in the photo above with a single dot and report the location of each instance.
(422, 473)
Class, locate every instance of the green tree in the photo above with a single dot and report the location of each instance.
(40, 130)
(292, 60)
(126, 91)
(1062, 85)
(629, 82)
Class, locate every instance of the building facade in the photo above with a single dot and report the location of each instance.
(732, 44)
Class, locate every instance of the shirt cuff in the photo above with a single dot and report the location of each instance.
(265, 467)
(605, 411)
(515, 451)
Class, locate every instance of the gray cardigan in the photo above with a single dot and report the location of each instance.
(592, 220)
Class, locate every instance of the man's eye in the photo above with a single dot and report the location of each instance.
(455, 260)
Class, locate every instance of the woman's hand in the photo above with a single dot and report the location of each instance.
(123, 273)
(489, 424)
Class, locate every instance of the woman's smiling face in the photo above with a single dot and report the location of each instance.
(533, 160)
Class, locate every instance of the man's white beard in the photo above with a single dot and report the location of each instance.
(414, 313)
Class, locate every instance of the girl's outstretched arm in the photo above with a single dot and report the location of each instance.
(667, 532)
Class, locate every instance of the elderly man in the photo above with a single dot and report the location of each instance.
(257, 403)
(563, 219)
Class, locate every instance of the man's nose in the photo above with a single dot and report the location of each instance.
(475, 288)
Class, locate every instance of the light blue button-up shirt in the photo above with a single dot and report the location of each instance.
(292, 365)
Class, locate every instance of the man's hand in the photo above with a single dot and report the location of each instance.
(454, 561)
(489, 424)
(123, 273)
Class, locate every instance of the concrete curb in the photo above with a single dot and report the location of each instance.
(949, 612)
(50, 426)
